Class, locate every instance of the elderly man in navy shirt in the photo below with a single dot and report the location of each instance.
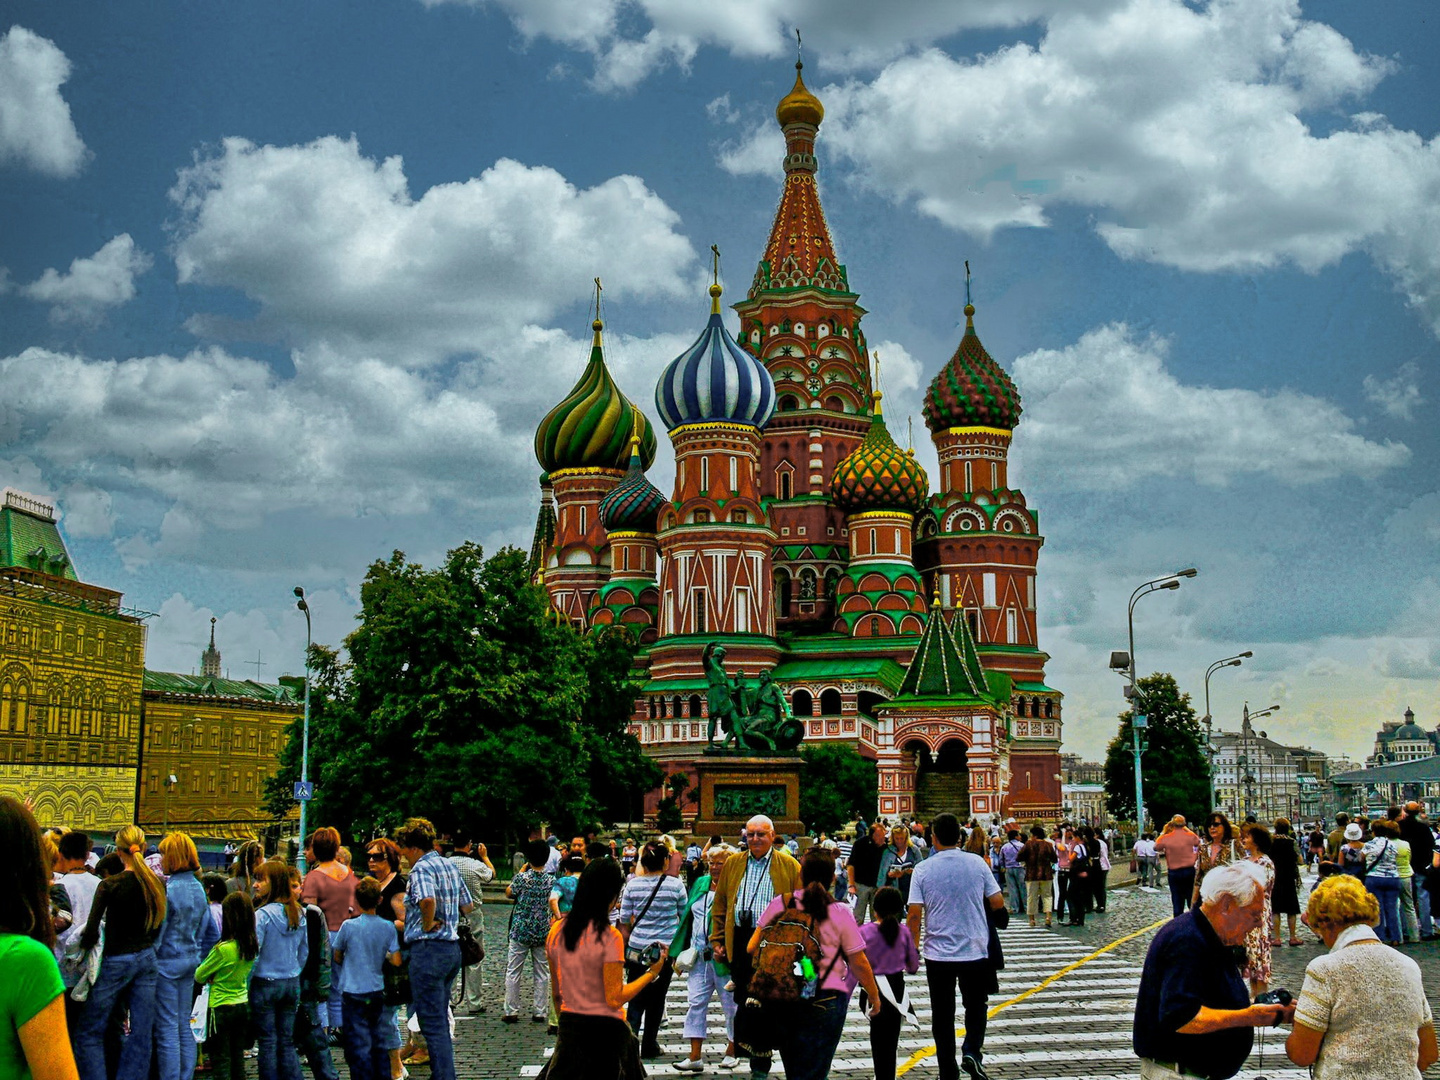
(1193, 1016)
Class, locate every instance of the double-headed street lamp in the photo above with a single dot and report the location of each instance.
(302, 789)
(1124, 664)
(1229, 661)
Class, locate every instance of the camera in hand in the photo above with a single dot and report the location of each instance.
(1274, 997)
(651, 953)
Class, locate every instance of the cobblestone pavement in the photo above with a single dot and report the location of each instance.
(1091, 1005)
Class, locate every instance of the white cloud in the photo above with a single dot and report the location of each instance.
(103, 280)
(1185, 131)
(333, 247)
(631, 39)
(35, 126)
(1399, 395)
(1106, 413)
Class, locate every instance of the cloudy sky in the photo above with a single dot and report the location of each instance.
(285, 287)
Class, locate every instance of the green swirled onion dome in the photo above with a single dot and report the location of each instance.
(634, 505)
(972, 390)
(878, 475)
(591, 427)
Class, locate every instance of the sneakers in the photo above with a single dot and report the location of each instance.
(690, 1065)
(972, 1068)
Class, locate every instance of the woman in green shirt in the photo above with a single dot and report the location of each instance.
(33, 1039)
(227, 970)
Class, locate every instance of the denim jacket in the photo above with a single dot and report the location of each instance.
(188, 932)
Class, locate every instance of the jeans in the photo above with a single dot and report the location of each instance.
(127, 978)
(272, 1009)
(539, 973)
(310, 1040)
(228, 1041)
(1015, 880)
(363, 1015)
(1422, 902)
(175, 1046)
(1387, 891)
(864, 897)
(645, 1008)
(885, 1028)
(335, 1012)
(434, 964)
(1182, 882)
(703, 984)
(390, 1037)
(474, 979)
(809, 1049)
(975, 978)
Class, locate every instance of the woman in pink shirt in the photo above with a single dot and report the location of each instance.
(330, 886)
(587, 983)
(808, 1048)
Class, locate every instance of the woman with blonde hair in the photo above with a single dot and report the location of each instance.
(132, 906)
(1362, 1012)
(275, 979)
(186, 938)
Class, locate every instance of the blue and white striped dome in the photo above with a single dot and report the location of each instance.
(715, 380)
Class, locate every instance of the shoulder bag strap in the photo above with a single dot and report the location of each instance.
(649, 900)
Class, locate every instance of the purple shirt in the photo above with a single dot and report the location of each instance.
(890, 959)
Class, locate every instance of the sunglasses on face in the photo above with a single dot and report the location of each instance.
(375, 856)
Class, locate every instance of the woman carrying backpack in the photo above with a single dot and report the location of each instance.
(814, 1005)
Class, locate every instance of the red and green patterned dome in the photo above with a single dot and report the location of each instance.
(972, 390)
(634, 504)
(878, 475)
(591, 427)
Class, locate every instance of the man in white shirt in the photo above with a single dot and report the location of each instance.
(476, 870)
(952, 891)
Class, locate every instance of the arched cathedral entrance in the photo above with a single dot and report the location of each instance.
(942, 781)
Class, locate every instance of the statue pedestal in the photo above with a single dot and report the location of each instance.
(733, 789)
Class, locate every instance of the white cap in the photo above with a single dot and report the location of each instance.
(1353, 831)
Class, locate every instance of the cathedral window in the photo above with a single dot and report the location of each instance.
(830, 702)
(785, 484)
(897, 541)
(994, 476)
(988, 583)
(782, 595)
(742, 611)
(624, 558)
(789, 403)
(1011, 635)
(835, 404)
(734, 474)
(802, 704)
(581, 510)
(694, 706)
(697, 611)
(754, 337)
(823, 330)
(972, 616)
(969, 478)
(739, 517)
(701, 517)
(1049, 709)
(705, 474)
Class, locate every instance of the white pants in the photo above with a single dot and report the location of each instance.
(539, 971)
(474, 981)
(703, 983)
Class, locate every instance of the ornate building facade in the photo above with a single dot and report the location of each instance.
(804, 539)
(89, 734)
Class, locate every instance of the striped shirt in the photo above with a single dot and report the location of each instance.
(434, 877)
(756, 889)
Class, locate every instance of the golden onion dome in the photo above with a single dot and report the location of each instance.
(878, 475)
(799, 106)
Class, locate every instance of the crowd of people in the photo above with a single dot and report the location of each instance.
(135, 964)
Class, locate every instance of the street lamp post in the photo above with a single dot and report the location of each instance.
(1229, 661)
(304, 790)
(1247, 735)
(1124, 663)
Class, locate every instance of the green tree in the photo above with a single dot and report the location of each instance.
(464, 701)
(1174, 761)
(837, 785)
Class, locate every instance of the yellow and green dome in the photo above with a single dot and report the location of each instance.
(878, 475)
(591, 427)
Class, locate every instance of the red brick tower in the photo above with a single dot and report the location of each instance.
(802, 320)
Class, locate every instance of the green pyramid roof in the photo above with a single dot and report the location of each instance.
(30, 539)
(944, 666)
(544, 530)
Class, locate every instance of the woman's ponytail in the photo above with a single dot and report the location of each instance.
(132, 841)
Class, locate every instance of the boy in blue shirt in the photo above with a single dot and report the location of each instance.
(362, 947)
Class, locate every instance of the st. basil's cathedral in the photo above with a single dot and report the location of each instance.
(803, 538)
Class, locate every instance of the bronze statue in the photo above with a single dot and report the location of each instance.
(753, 720)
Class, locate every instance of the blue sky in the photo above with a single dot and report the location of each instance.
(288, 286)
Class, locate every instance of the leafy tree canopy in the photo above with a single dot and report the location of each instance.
(1174, 765)
(837, 785)
(463, 701)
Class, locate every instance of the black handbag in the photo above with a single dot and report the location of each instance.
(472, 949)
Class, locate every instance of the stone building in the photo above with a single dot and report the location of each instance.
(802, 538)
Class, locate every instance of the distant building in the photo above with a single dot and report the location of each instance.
(1374, 789)
(1400, 741)
(89, 735)
(70, 675)
(1255, 775)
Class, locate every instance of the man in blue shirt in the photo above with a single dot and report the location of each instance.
(1193, 1016)
(435, 898)
(953, 889)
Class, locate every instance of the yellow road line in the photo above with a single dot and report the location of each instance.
(920, 1055)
